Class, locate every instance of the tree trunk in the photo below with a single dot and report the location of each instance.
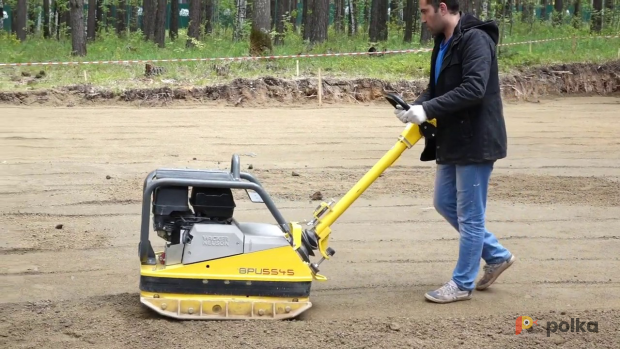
(14, 20)
(160, 24)
(408, 16)
(21, 19)
(339, 16)
(378, 30)
(352, 17)
(293, 7)
(597, 16)
(280, 18)
(239, 19)
(91, 25)
(121, 18)
(32, 19)
(262, 19)
(149, 11)
(425, 37)
(559, 7)
(134, 21)
(209, 12)
(261, 24)
(466, 6)
(320, 18)
(56, 21)
(174, 19)
(307, 18)
(414, 13)
(366, 14)
(78, 35)
(272, 14)
(46, 18)
(99, 21)
(193, 32)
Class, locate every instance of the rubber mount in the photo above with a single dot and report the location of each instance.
(427, 129)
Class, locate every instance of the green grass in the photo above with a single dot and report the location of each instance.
(390, 67)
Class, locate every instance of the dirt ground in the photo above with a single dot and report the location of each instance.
(554, 202)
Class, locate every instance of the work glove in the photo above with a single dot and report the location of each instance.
(415, 114)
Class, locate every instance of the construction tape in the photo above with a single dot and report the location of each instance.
(281, 56)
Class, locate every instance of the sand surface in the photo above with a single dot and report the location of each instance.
(554, 202)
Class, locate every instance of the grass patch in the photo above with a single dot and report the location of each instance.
(389, 67)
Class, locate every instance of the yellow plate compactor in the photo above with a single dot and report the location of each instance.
(214, 267)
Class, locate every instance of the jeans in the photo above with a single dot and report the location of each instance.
(460, 197)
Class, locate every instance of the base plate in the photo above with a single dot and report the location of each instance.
(225, 309)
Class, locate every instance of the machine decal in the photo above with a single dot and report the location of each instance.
(267, 271)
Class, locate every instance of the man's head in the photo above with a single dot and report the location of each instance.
(438, 14)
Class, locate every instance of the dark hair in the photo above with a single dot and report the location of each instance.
(452, 5)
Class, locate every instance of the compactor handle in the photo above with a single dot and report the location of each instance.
(395, 100)
(235, 167)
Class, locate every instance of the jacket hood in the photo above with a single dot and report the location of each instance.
(468, 22)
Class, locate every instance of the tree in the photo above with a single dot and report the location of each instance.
(559, 12)
(377, 30)
(209, 12)
(121, 17)
(425, 36)
(160, 24)
(261, 24)
(46, 18)
(352, 17)
(99, 17)
(307, 17)
(21, 17)
(78, 36)
(193, 32)
(597, 18)
(239, 19)
(339, 20)
(149, 11)
(320, 21)
(408, 14)
(174, 19)
(133, 23)
(280, 18)
(91, 26)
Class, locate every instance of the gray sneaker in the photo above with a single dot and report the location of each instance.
(448, 293)
(492, 272)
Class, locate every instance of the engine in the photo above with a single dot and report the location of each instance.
(173, 217)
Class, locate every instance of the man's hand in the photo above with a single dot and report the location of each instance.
(415, 114)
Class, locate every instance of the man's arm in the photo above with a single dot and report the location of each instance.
(476, 67)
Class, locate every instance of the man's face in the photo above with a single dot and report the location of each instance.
(434, 19)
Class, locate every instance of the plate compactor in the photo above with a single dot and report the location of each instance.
(215, 267)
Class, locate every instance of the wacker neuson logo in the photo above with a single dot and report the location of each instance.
(575, 325)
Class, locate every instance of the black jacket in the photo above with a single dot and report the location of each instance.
(466, 102)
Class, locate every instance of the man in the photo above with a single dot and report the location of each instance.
(463, 96)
